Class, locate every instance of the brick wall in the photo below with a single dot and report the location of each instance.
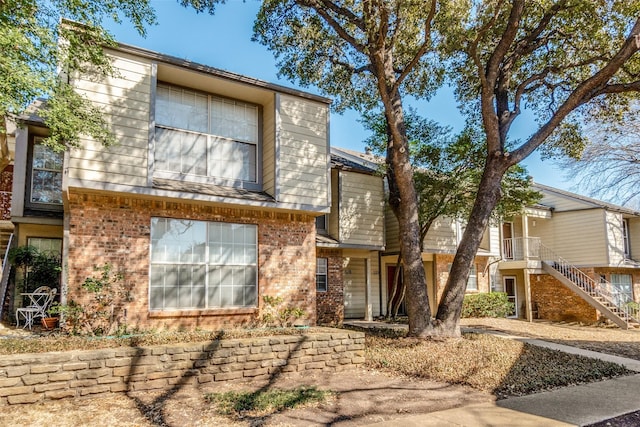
(330, 304)
(6, 183)
(29, 378)
(116, 230)
(556, 302)
(442, 264)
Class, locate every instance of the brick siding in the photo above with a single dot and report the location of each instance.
(556, 302)
(29, 378)
(116, 230)
(330, 304)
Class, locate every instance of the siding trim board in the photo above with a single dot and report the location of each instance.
(92, 186)
(152, 124)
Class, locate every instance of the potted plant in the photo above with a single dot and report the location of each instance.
(49, 323)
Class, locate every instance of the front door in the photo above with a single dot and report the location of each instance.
(512, 294)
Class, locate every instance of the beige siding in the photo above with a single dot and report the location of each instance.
(361, 209)
(634, 238)
(125, 99)
(561, 203)
(354, 277)
(334, 217)
(580, 237)
(392, 232)
(302, 152)
(614, 238)
(442, 237)
(269, 148)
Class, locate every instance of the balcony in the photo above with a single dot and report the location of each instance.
(520, 251)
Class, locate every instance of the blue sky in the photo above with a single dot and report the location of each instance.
(224, 41)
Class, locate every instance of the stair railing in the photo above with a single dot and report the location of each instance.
(4, 281)
(626, 307)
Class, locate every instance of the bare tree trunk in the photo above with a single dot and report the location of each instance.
(403, 293)
(447, 322)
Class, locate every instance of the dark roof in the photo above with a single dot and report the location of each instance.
(340, 162)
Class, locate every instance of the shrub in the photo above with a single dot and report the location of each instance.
(275, 314)
(494, 304)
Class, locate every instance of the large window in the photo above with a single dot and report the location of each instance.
(46, 175)
(622, 288)
(321, 274)
(201, 265)
(205, 138)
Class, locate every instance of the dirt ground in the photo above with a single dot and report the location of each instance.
(362, 397)
(609, 340)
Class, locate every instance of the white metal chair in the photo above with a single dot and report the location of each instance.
(39, 302)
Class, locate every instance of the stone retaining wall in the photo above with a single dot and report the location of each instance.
(29, 378)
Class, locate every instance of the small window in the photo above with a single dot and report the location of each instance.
(625, 238)
(321, 275)
(46, 175)
(472, 281)
(321, 224)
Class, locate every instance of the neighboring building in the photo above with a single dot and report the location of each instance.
(572, 258)
(439, 248)
(206, 204)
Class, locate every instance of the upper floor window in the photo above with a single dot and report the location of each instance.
(46, 175)
(625, 238)
(206, 138)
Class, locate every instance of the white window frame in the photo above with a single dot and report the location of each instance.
(625, 238)
(208, 270)
(210, 168)
(322, 272)
(472, 280)
(37, 142)
(622, 288)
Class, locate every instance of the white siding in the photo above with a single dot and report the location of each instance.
(361, 209)
(125, 99)
(302, 152)
(354, 277)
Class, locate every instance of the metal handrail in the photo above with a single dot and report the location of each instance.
(598, 289)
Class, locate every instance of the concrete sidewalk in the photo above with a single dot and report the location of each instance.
(569, 406)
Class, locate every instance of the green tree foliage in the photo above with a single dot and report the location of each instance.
(447, 169)
(39, 50)
(569, 61)
(566, 60)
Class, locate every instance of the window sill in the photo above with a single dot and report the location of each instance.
(203, 313)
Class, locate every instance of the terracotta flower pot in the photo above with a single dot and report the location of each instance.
(49, 322)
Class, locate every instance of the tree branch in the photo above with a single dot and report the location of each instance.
(423, 48)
